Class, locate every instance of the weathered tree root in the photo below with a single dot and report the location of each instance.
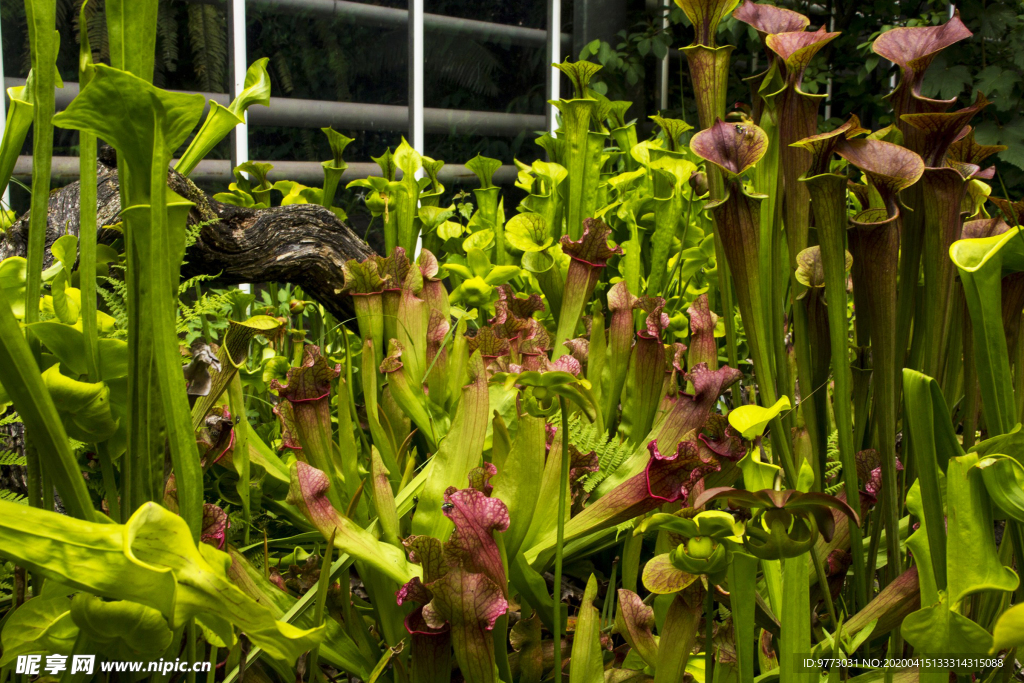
(301, 244)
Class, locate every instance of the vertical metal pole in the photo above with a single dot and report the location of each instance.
(237, 50)
(237, 60)
(416, 75)
(3, 120)
(416, 134)
(663, 67)
(554, 51)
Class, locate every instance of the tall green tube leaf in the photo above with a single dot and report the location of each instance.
(222, 120)
(145, 125)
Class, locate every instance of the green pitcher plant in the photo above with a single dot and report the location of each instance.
(696, 400)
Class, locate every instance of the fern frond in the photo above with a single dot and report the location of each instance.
(833, 467)
(10, 496)
(11, 419)
(611, 453)
(208, 304)
(208, 35)
(116, 299)
(6, 580)
(192, 231)
(12, 459)
(832, 446)
(167, 35)
(190, 283)
(283, 72)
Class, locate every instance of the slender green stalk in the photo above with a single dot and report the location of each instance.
(828, 193)
(109, 480)
(563, 492)
(41, 22)
(236, 399)
(681, 625)
(725, 293)
(41, 29)
(608, 609)
(207, 336)
(500, 630)
(826, 594)
(87, 214)
(211, 675)
(709, 631)
(875, 244)
(190, 649)
(323, 585)
(795, 615)
(24, 384)
(970, 404)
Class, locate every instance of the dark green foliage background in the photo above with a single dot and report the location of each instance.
(342, 61)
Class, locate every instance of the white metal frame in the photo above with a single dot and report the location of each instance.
(416, 129)
(300, 112)
(238, 60)
(554, 50)
(666, 6)
(3, 122)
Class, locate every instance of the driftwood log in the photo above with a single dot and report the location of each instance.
(301, 244)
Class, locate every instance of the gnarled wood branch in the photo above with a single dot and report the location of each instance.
(301, 244)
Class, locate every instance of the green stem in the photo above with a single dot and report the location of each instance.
(207, 336)
(236, 400)
(41, 29)
(876, 247)
(681, 625)
(828, 194)
(725, 291)
(563, 488)
(109, 481)
(970, 429)
(500, 631)
(211, 675)
(819, 570)
(190, 649)
(87, 250)
(910, 267)
(608, 609)
(323, 584)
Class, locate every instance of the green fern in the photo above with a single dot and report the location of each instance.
(218, 304)
(116, 299)
(9, 496)
(611, 453)
(167, 34)
(6, 580)
(833, 467)
(11, 419)
(207, 33)
(12, 459)
(192, 231)
(832, 446)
